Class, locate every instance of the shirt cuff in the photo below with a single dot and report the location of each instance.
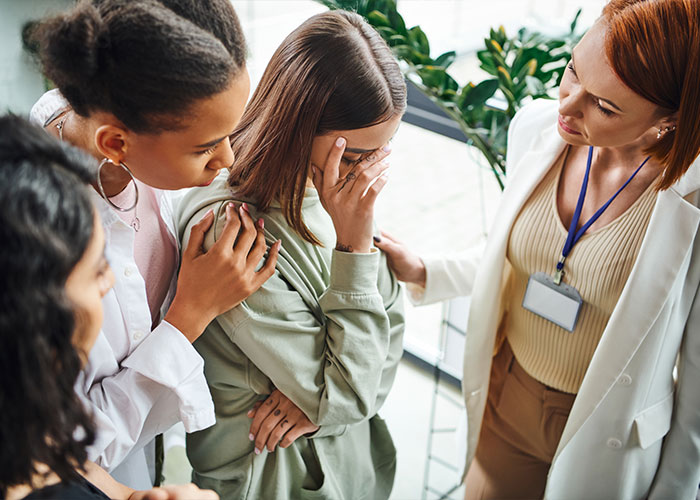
(168, 358)
(354, 272)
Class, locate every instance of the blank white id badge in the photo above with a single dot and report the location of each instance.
(559, 304)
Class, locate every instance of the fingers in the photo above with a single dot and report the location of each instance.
(295, 433)
(254, 409)
(265, 408)
(194, 246)
(268, 269)
(366, 175)
(284, 425)
(186, 492)
(332, 167)
(259, 248)
(248, 231)
(374, 190)
(389, 236)
(156, 494)
(262, 437)
(230, 231)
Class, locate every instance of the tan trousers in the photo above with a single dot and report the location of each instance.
(523, 422)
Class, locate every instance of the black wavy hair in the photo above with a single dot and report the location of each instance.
(140, 60)
(46, 224)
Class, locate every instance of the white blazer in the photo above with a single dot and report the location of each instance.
(613, 444)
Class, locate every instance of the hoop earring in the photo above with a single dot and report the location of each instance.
(135, 223)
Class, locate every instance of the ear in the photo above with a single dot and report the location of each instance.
(112, 142)
(668, 122)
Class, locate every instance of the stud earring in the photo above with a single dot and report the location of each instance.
(664, 130)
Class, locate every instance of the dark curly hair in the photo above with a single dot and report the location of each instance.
(141, 61)
(46, 224)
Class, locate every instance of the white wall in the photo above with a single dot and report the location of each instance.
(21, 83)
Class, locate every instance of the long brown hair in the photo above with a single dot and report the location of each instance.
(653, 47)
(334, 72)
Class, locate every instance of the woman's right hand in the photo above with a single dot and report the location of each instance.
(210, 283)
(350, 200)
(172, 492)
(406, 265)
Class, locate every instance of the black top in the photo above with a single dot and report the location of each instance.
(75, 490)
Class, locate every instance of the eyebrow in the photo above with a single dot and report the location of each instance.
(595, 96)
(211, 143)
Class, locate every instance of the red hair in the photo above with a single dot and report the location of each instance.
(653, 47)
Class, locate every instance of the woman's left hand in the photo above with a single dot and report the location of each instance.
(277, 421)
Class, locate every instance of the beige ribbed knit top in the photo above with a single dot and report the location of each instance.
(598, 267)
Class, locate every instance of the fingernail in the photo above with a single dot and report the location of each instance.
(377, 239)
(386, 148)
(251, 437)
(313, 167)
(278, 243)
(229, 209)
(245, 207)
(209, 212)
(257, 452)
(261, 224)
(340, 142)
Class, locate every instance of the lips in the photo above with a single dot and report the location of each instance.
(566, 128)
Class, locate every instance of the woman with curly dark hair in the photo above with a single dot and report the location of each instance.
(152, 90)
(53, 275)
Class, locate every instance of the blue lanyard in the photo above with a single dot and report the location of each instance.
(574, 235)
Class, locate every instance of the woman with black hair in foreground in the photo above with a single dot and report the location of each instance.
(53, 275)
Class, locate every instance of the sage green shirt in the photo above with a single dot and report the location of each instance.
(326, 330)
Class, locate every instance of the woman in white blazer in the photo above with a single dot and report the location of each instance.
(632, 425)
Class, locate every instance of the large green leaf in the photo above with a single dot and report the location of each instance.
(377, 19)
(477, 96)
(446, 59)
(419, 41)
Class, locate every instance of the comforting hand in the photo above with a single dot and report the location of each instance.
(179, 492)
(406, 265)
(211, 283)
(350, 200)
(277, 420)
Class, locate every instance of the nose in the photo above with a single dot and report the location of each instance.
(570, 101)
(224, 156)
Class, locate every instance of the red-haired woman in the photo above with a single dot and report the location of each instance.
(590, 307)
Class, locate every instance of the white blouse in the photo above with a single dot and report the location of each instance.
(138, 382)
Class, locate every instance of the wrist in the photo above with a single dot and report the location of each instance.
(341, 247)
(190, 325)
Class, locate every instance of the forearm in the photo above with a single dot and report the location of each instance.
(159, 383)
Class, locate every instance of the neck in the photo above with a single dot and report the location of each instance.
(628, 155)
(114, 179)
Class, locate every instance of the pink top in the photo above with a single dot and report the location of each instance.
(155, 251)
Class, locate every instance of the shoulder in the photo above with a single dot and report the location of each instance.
(194, 203)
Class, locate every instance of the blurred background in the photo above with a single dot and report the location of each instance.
(440, 199)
